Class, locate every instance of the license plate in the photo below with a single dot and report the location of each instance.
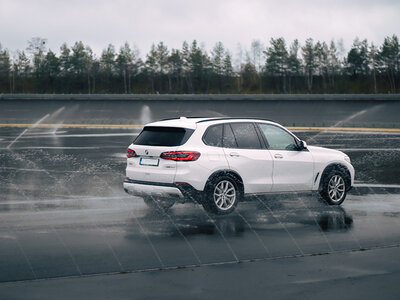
(149, 162)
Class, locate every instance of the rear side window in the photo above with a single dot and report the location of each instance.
(246, 136)
(213, 136)
(163, 136)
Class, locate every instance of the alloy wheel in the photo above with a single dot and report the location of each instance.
(336, 188)
(224, 195)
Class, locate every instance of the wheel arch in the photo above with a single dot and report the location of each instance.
(226, 172)
(336, 166)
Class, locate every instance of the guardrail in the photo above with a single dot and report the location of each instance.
(205, 97)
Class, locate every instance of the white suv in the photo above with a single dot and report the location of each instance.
(218, 161)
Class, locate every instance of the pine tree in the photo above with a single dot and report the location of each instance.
(5, 68)
(357, 58)
(51, 68)
(309, 59)
(217, 63)
(373, 64)
(125, 64)
(162, 63)
(176, 68)
(333, 64)
(187, 67)
(228, 71)
(151, 65)
(22, 68)
(389, 58)
(65, 60)
(277, 61)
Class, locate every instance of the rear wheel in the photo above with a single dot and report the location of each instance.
(334, 187)
(158, 204)
(221, 196)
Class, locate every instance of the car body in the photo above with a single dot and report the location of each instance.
(226, 159)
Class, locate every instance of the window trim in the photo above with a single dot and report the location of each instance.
(261, 136)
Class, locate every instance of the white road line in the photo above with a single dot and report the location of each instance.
(39, 170)
(368, 149)
(80, 135)
(69, 200)
(393, 186)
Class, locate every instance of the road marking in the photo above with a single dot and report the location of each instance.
(367, 149)
(354, 129)
(211, 264)
(373, 185)
(49, 125)
(299, 128)
(52, 136)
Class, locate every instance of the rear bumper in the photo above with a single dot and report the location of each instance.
(182, 191)
(153, 189)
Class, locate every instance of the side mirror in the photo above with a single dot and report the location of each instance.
(303, 145)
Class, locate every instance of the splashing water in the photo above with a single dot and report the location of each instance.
(341, 122)
(26, 129)
(145, 115)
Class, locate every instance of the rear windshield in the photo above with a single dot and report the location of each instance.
(163, 136)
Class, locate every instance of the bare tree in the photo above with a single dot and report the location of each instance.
(257, 56)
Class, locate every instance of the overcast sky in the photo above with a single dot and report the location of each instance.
(99, 22)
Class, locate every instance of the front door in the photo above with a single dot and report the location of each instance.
(293, 168)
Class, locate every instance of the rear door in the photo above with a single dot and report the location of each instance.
(293, 168)
(247, 156)
(150, 143)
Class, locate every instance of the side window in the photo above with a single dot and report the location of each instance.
(278, 139)
(246, 135)
(213, 136)
(229, 140)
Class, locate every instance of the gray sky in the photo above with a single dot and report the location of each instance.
(99, 22)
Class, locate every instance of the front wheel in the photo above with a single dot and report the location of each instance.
(334, 187)
(221, 195)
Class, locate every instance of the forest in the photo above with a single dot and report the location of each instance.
(280, 68)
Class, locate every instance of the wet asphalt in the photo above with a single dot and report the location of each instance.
(63, 213)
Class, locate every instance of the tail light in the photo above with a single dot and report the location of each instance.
(181, 155)
(130, 153)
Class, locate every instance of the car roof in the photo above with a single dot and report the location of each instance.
(183, 122)
(191, 122)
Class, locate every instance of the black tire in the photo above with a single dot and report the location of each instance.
(230, 195)
(334, 187)
(158, 204)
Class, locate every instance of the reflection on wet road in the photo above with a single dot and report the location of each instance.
(63, 211)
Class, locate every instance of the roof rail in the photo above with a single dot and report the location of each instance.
(191, 117)
(234, 118)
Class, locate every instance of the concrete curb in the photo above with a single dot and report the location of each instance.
(206, 97)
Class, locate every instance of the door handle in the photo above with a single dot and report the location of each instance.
(234, 154)
(278, 156)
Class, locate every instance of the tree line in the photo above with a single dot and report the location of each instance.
(314, 67)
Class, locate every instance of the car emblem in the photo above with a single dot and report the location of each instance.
(146, 151)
